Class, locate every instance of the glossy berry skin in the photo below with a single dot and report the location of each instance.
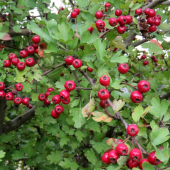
(121, 29)
(64, 94)
(138, 11)
(146, 11)
(89, 69)
(103, 94)
(118, 12)
(100, 24)
(30, 106)
(54, 114)
(41, 97)
(132, 130)
(106, 8)
(25, 101)
(47, 102)
(104, 80)
(59, 109)
(114, 49)
(98, 14)
(129, 19)
(77, 10)
(19, 87)
(50, 89)
(11, 56)
(121, 149)
(29, 62)
(113, 21)
(135, 154)
(105, 158)
(122, 20)
(23, 54)
(35, 45)
(152, 28)
(69, 60)
(113, 156)
(107, 5)
(61, 8)
(69, 85)
(77, 63)
(2, 94)
(132, 164)
(2, 86)
(6, 63)
(30, 50)
(157, 22)
(123, 68)
(36, 39)
(104, 103)
(15, 61)
(67, 101)
(158, 17)
(151, 13)
(21, 66)
(9, 96)
(141, 162)
(73, 14)
(153, 159)
(155, 60)
(36, 50)
(136, 97)
(47, 93)
(143, 86)
(56, 99)
(150, 21)
(143, 57)
(146, 62)
(17, 100)
(90, 29)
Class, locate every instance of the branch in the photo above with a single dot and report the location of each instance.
(2, 113)
(165, 96)
(139, 42)
(129, 39)
(166, 3)
(83, 88)
(23, 32)
(102, 35)
(109, 114)
(72, 4)
(153, 4)
(87, 77)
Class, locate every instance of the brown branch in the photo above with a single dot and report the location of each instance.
(165, 96)
(23, 32)
(139, 42)
(83, 88)
(129, 85)
(87, 77)
(109, 114)
(166, 3)
(102, 35)
(72, 4)
(153, 4)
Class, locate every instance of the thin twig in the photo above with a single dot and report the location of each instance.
(83, 88)
(129, 85)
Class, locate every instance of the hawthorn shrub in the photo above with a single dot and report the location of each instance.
(76, 93)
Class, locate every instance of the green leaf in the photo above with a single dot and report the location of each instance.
(164, 26)
(18, 155)
(94, 126)
(88, 108)
(147, 166)
(152, 48)
(100, 117)
(2, 154)
(67, 164)
(117, 105)
(82, 3)
(90, 155)
(137, 113)
(35, 96)
(16, 28)
(122, 160)
(55, 157)
(118, 43)
(119, 59)
(79, 135)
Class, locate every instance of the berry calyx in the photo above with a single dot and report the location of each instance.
(6, 63)
(25, 101)
(11, 56)
(141, 162)
(69, 85)
(41, 97)
(36, 39)
(73, 14)
(89, 69)
(143, 86)
(146, 62)
(64, 94)
(23, 54)
(77, 63)
(98, 14)
(17, 100)
(2, 86)
(113, 156)
(132, 164)
(35, 45)
(54, 114)
(90, 29)
(118, 12)
(56, 99)
(132, 130)
(29, 62)
(138, 11)
(15, 61)
(9, 96)
(77, 10)
(59, 109)
(103, 94)
(67, 101)
(100, 24)
(153, 159)
(123, 68)
(136, 97)
(104, 80)
(69, 60)
(2, 94)
(19, 87)
(21, 66)
(105, 158)
(30, 50)
(121, 149)
(135, 154)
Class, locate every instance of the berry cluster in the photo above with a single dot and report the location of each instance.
(146, 62)
(154, 60)
(75, 12)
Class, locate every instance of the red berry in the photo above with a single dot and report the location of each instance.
(151, 13)
(67, 101)
(120, 140)
(113, 21)
(103, 94)
(132, 164)
(59, 109)
(138, 11)
(157, 22)
(30, 50)
(23, 54)
(153, 159)
(41, 97)
(15, 61)
(36, 39)
(98, 14)
(11, 56)
(2, 94)
(129, 19)
(104, 80)
(21, 66)
(104, 103)
(114, 49)
(17, 100)
(54, 114)
(118, 12)
(64, 94)
(73, 14)
(121, 149)
(157, 17)
(155, 60)
(19, 87)
(2, 86)
(132, 130)
(136, 97)
(47, 94)
(77, 10)
(106, 8)
(14, 92)
(69, 60)
(69, 85)
(122, 20)
(47, 102)
(56, 99)
(25, 101)
(141, 162)
(135, 154)
(6, 63)
(89, 69)
(9, 96)
(105, 158)
(35, 45)
(113, 156)
(143, 57)
(29, 62)
(62, 74)
(36, 50)
(77, 63)
(121, 29)
(61, 8)
(100, 24)
(123, 68)
(90, 29)
(50, 89)
(107, 5)
(30, 106)
(143, 86)
(146, 62)
(150, 21)
(146, 11)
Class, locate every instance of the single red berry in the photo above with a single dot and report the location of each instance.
(107, 5)
(153, 159)
(121, 149)
(105, 158)
(30, 106)
(113, 21)
(98, 14)
(132, 164)
(73, 14)
(21, 66)
(123, 68)
(151, 13)
(29, 62)
(146, 11)
(77, 10)
(47, 102)
(17, 100)
(158, 17)
(104, 80)
(41, 97)
(114, 49)
(118, 12)
(90, 29)
(138, 11)
(36, 39)
(100, 24)
(56, 99)
(47, 93)
(157, 22)
(106, 8)
(136, 97)
(62, 74)
(50, 89)
(61, 8)
(35, 45)
(11, 56)
(141, 162)
(113, 156)
(9, 96)
(135, 154)
(104, 103)
(146, 62)
(143, 86)
(6, 63)
(59, 109)
(69, 60)
(2, 86)
(15, 61)
(64, 94)
(2, 94)
(155, 60)
(132, 130)
(23, 54)
(143, 56)
(67, 101)
(54, 114)
(77, 63)
(14, 92)
(89, 69)
(156, 64)
(150, 21)
(103, 94)
(129, 19)
(69, 85)
(25, 101)
(30, 50)
(19, 87)
(121, 29)
(36, 50)
(122, 20)
(120, 140)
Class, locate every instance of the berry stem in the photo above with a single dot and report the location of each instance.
(129, 85)
(126, 139)
(109, 114)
